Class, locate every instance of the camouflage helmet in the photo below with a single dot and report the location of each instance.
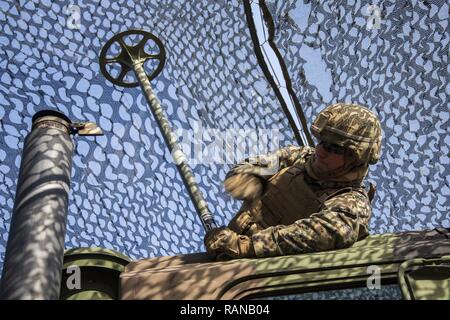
(351, 126)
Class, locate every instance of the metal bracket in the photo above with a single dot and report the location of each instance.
(85, 129)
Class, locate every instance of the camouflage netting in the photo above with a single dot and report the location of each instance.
(393, 58)
(387, 292)
(126, 192)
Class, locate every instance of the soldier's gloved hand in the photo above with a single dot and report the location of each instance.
(245, 222)
(244, 186)
(223, 244)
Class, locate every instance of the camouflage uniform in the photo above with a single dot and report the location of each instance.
(299, 210)
(337, 218)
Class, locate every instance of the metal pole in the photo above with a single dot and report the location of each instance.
(179, 157)
(133, 58)
(35, 248)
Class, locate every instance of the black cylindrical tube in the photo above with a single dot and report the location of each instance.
(35, 249)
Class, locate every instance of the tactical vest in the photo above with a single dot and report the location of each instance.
(289, 195)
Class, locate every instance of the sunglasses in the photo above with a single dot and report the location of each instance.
(332, 148)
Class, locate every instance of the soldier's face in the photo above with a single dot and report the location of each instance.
(328, 161)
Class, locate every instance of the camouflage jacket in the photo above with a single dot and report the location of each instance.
(342, 219)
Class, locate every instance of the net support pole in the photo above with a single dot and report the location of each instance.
(179, 157)
(133, 57)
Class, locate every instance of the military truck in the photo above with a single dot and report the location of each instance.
(408, 265)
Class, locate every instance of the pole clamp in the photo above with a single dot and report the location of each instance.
(85, 129)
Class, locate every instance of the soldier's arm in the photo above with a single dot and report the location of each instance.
(266, 166)
(291, 154)
(343, 219)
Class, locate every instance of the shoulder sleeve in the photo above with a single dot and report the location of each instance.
(291, 155)
(342, 221)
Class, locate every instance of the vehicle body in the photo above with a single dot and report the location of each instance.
(418, 262)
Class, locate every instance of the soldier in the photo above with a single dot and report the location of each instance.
(315, 201)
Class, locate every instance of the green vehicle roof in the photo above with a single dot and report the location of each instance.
(195, 276)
